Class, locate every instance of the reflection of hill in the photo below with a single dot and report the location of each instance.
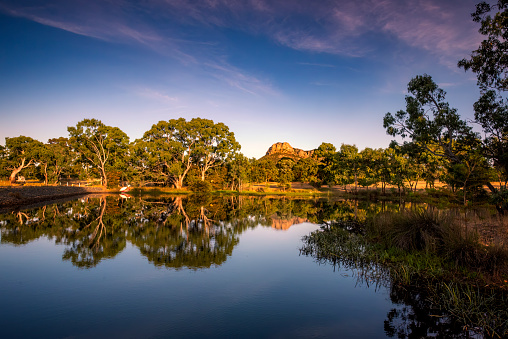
(284, 224)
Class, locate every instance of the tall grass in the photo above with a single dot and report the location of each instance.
(439, 233)
(431, 250)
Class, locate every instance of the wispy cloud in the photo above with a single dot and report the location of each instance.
(238, 79)
(316, 65)
(340, 27)
(155, 94)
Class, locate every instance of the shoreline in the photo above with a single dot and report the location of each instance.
(13, 196)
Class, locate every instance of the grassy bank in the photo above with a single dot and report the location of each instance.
(428, 250)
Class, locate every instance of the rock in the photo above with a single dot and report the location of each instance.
(285, 148)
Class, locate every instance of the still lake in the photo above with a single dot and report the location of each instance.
(196, 266)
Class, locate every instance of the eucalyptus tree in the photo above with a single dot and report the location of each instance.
(238, 171)
(428, 120)
(285, 167)
(306, 170)
(326, 155)
(168, 148)
(490, 63)
(216, 144)
(264, 170)
(98, 145)
(432, 125)
(20, 153)
(369, 163)
(54, 157)
(351, 162)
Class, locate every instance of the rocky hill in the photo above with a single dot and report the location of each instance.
(280, 150)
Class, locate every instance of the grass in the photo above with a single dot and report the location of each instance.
(430, 250)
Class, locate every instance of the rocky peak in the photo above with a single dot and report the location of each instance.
(285, 148)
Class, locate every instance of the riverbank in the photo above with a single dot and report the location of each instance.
(439, 255)
(22, 195)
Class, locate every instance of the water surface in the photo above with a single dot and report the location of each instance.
(184, 267)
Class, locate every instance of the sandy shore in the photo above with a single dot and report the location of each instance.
(22, 195)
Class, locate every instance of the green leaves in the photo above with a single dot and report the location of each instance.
(100, 146)
(490, 60)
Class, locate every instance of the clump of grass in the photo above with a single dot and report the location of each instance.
(438, 233)
(484, 310)
(429, 250)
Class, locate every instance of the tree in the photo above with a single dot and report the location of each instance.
(350, 159)
(21, 152)
(490, 60)
(61, 156)
(306, 170)
(264, 170)
(490, 63)
(433, 126)
(491, 112)
(238, 170)
(216, 144)
(100, 146)
(428, 120)
(172, 147)
(326, 155)
(285, 167)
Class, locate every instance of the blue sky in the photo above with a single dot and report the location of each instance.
(304, 72)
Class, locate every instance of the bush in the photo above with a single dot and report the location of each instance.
(200, 186)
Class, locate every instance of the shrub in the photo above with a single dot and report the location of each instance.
(200, 186)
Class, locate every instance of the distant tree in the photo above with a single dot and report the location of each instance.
(351, 161)
(306, 170)
(326, 155)
(264, 170)
(21, 152)
(100, 146)
(238, 171)
(285, 167)
(368, 167)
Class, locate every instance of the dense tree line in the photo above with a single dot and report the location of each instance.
(437, 144)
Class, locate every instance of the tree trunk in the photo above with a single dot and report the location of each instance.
(179, 182)
(104, 177)
(12, 177)
(46, 174)
(15, 171)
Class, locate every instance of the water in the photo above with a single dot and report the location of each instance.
(183, 267)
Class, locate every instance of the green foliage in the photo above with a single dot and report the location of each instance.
(285, 169)
(264, 170)
(306, 170)
(170, 148)
(20, 153)
(200, 186)
(490, 60)
(100, 146)
(490, 63)
(428, 120)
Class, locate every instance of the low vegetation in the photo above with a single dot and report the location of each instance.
(447, 259)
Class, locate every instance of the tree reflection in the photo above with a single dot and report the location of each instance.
(196, 231)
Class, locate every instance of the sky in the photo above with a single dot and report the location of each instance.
(297, 71)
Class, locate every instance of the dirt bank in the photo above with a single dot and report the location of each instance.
(22, 195)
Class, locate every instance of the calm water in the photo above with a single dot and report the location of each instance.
(185, 267)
